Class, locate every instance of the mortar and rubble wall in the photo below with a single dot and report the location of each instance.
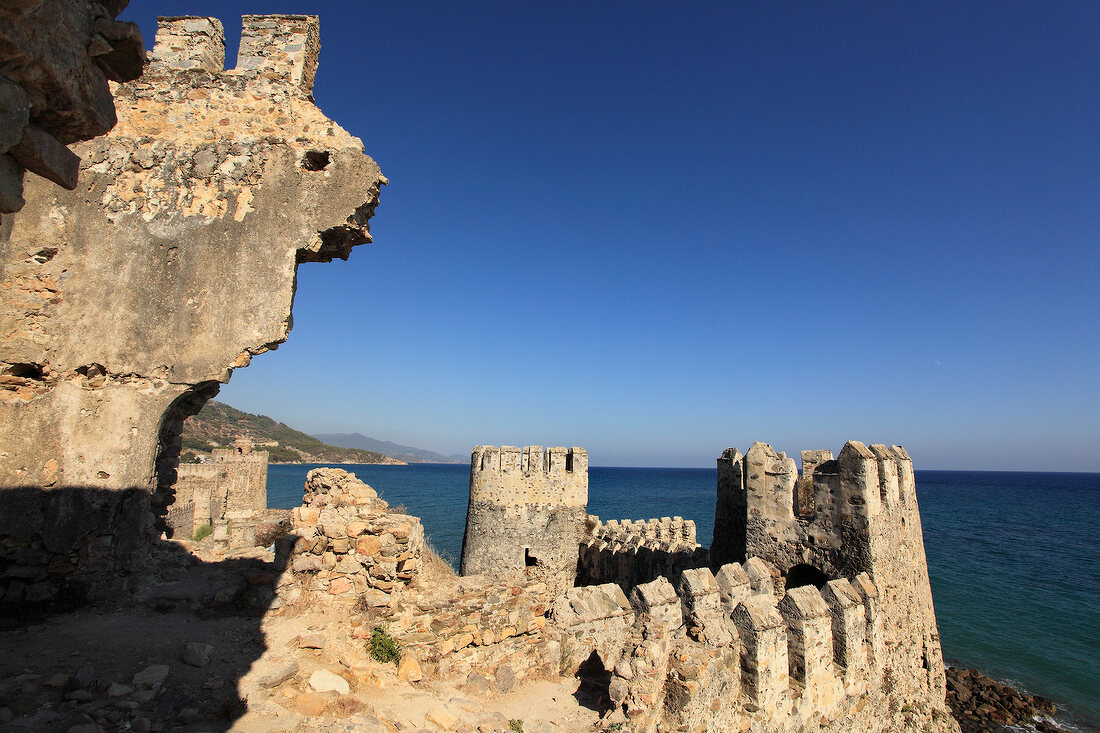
(526, 514)
(857, 516)
(131, 298)
(56, 57)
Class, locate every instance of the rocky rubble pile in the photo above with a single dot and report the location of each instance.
(345, 543)
(982, 704)
(492, 630)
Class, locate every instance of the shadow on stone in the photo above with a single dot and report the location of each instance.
(100, 626)
(592, 692)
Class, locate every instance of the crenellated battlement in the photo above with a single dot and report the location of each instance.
(823, 518)
(281, 47)
(811, 606)
(189, 43)
(510, 476)
(630, 552)
(276, 47)
(805, 653)
(666, 533)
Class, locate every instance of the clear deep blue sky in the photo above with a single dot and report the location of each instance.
(657, 230)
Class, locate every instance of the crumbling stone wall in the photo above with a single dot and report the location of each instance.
(629, 552)
(725, 652)
(55, 59)
(345, 545)
(127, 301)
(526, 514)
(493, 631)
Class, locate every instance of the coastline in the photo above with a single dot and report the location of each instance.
(982, 704)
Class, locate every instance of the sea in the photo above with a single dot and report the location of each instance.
(1014, 558)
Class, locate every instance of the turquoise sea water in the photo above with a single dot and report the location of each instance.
(1013, 557)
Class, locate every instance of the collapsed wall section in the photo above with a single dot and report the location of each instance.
(346, 546)
(172, 264)
(526, 513)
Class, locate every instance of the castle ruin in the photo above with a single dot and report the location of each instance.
(526, 512)
(130, 299)
(230, 488)
(124, 310)
(812, 610)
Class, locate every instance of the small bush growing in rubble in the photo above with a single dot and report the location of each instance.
(203, 532)
(382, 647)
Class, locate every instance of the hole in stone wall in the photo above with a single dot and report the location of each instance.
(801, 575)
(44, 255)
(315, 160)
(25, 371)
(569, 463)
(804, 498)
(529, 560)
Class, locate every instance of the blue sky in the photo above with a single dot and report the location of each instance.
(659, 229)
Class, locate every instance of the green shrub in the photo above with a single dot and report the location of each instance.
(202, 533)
(515, 725)
(382, 647)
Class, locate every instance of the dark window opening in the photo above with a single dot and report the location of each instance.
(801, 575)
(569, 463)
(315, 160)
(529, 560)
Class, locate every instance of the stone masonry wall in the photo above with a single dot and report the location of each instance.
(526, 513)
(55, 59)
(862, 527)
(128, 300)
(629, 552)
(722, 653)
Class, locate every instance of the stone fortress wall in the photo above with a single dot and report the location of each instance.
(232, 486)
(211, 178)
(629, 552)
(811, 611)
(526, 514)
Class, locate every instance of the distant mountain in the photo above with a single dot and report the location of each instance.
(403, 452)
(218, 425)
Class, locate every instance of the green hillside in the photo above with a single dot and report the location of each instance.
(218, 424)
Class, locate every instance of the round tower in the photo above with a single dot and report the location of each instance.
(527, 512)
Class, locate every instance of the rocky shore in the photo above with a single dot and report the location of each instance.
(982, 705)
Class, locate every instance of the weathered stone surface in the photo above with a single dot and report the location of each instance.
(154, 674)
(278, 674)
(443, 718)
(323, 680)
(194, 214)
(310, 704)
(55, 60)
(197, 654)
(409, 669)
